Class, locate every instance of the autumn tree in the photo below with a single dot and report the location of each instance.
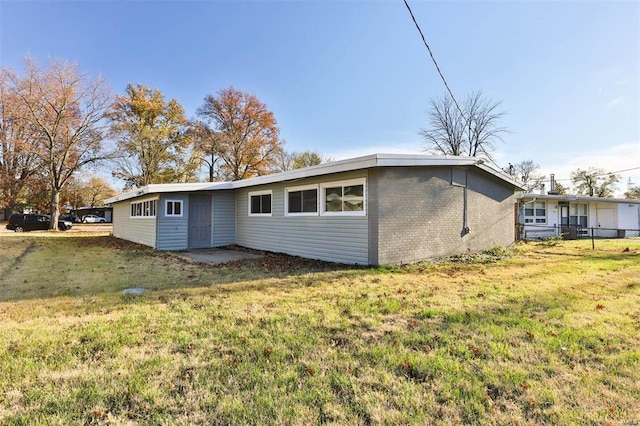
(299, 160)
(561, 189)
(151, 135)
(19, 162)
(205, 150)
(633, 193)
(66, 111)
(526, 173)
(97, 190)
(245, 131)
(471, 130)
(594, 182)
(74, 194)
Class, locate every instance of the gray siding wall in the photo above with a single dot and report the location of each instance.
(173, 232)
(342, 239)
(420, 214)
(224, 218)
(140, 230)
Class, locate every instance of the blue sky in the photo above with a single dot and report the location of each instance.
(349, 78)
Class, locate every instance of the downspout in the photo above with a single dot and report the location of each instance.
(465, 208)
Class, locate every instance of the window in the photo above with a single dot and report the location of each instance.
(173, 208)
(260, 203)
(144, 208)
(535, 212)
(578, 215)
(302, 200)
(343, 198)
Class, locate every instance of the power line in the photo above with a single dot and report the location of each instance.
(603, 174)
(424, 40)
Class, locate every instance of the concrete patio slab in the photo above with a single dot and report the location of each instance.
(216, 255)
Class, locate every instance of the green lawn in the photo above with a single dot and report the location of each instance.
(547, 335)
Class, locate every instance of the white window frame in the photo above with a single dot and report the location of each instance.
(166, 204)
(297, 189)
(533, 219)
(256, 193)
(578, 215)
(343, 183)
(142, 211)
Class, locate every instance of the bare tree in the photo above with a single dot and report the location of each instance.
(525, 172)
(67, 112)
(471, 132)
(594, 182)
(246, 132)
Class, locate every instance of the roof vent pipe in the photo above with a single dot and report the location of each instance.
(552, 185)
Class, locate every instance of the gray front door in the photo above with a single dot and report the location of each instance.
(199, 221)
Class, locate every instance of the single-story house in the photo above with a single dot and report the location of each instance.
(546, 215)
(375, 209)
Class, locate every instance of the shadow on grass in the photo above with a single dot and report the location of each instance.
(87, 266)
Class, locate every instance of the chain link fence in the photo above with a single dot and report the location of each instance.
(571, 232)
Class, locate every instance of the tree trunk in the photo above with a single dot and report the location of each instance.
(55, 213)
(8, 211)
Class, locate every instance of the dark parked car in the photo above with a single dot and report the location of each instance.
(34, 222)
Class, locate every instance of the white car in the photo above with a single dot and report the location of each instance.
(92, 218)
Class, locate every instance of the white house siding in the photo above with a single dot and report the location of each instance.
(224, 218)
(629, 219)
(140, 230)
(420, 214)
(173, 232)
(602, 217)
(342, 239)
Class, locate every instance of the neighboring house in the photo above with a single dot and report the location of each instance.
(102, 211)
(376, 209)
(574, 216)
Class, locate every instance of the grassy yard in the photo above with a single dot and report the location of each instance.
(547, 335)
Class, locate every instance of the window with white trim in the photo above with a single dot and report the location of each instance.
(173, 208)
(578, 215)
(535, 212)
(343, 198)
(301, 200)
(144, 208)
(260, 203)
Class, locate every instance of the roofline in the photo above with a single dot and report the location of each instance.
(350, 164)
(168, 187)
(582, 198)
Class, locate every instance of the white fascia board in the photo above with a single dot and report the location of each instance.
(167, 187)
(350, 164)
(577, 198)
(319, 170)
